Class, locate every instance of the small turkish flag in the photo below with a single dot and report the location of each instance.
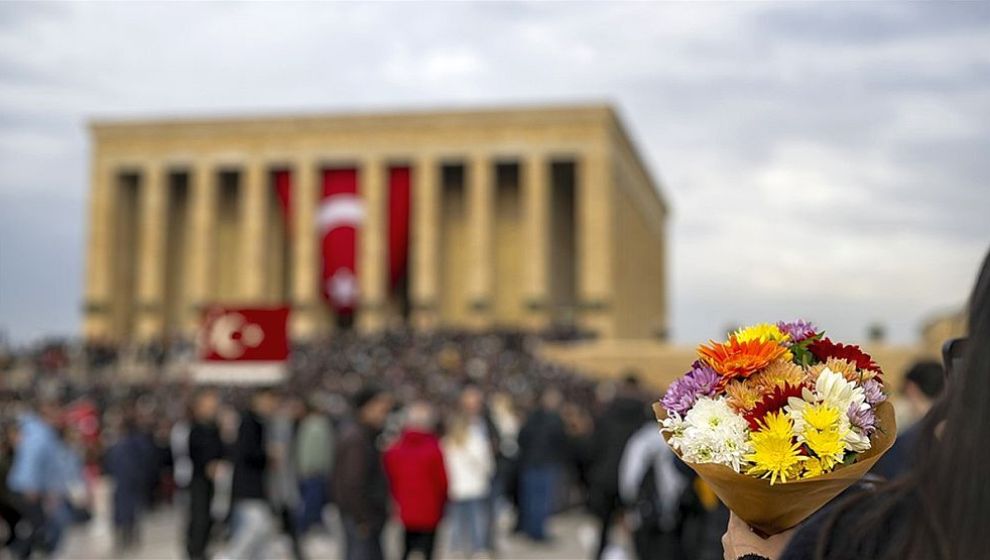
(250, 334)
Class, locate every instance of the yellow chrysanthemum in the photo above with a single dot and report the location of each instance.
(812, 468)
(828, 445)
(742, 395)
(762, 332)
(777, 374)
(775, 453)
(821, 417)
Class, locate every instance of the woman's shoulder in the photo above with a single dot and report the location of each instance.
(858, 524)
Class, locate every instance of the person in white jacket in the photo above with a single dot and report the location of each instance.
(650, 486)
(470, 465)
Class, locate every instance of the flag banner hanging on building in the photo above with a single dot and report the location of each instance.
(399, 194)
(243, 345)
(340, 216)
(283, 190)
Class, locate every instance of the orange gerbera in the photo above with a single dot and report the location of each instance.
(735, 359)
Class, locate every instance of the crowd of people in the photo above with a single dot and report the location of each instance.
(470, 431)
(473, 434)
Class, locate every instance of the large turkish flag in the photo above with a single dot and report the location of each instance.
(340, 216)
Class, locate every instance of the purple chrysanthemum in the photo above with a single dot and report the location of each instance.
(798, 330)
(864, 419)
(874, 392)
(682, 394)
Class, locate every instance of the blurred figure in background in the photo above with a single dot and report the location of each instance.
(359, 482)
(314, 459)
(542, 452)
(8, 511)
(651, 485)
(506, 422)
(69, 500)
(35, 479)
(283, 480)
(470, 464)
(418, 480)
(620, 420)
(205, 450)
(129, 462)
(477, 419)
(253, 522)
(923, 385)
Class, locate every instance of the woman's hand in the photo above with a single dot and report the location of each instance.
(740, 540)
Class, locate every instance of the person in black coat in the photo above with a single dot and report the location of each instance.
(205, 451)
(542, 451)
(253, 516)
(623, 417)
(359, 481)
(130, 462)
(923, 384)
(8, 510)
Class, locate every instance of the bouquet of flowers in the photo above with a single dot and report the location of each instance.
(778, 420)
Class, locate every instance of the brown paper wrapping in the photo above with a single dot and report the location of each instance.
(773, 509)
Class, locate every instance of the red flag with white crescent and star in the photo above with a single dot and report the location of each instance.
(244, 335)
(340, 216)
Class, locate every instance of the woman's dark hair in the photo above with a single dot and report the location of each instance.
(940, 509)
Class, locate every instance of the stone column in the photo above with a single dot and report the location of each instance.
(253, 232)
(425, 243)
(153, 210)
(97, 319)
(372, 246)
(481, 213)
(304, 251)
(536, 193)
(201, 241)
(595, 226)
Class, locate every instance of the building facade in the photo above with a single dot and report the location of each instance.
(521, 218)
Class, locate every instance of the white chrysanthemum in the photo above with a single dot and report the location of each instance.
(835, 391)
(711, 432)
(856, 440)
(675, 426)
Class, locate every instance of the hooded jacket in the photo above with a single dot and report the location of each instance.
(418, 479)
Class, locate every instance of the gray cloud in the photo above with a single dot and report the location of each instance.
(825, 160)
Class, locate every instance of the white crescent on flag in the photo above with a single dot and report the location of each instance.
(340, 210)
(230, 334)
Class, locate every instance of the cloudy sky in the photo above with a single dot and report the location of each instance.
(827, 161)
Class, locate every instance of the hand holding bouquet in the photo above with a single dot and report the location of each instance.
(778, 420)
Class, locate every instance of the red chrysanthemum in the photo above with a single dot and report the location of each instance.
(771, 402)
(824, 349)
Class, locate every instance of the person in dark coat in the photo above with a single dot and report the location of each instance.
(8, 509)
(923, 385)
(253, 516)
(205, 451)
(623, 417)
(542, 451)
(130, 462)
(359, 482)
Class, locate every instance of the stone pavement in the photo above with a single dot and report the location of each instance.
(574, 539)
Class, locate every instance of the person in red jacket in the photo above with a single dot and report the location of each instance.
(418, 480)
